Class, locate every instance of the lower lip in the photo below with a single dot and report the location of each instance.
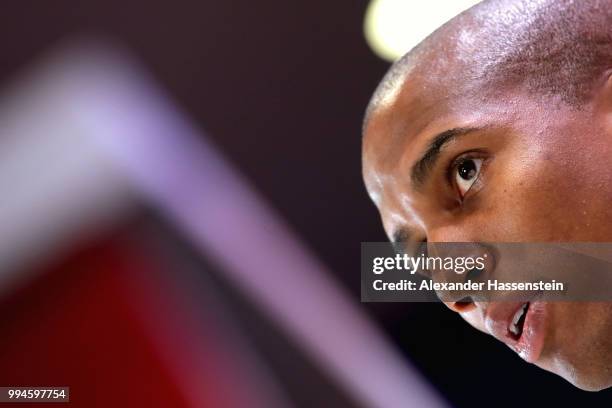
(531, 342)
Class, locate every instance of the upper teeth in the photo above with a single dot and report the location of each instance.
(517, 316)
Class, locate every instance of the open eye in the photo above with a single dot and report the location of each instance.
(466, 173)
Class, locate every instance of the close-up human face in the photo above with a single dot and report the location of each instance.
(502, 168)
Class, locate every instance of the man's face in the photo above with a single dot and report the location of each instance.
(500, 168)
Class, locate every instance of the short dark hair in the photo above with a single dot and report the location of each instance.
(550, 47)
(553, 47)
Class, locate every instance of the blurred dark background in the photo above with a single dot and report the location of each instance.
(281, 88)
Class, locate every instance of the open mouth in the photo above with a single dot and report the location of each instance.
(522, 326)
(518, 321)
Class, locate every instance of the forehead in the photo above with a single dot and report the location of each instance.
(402, 126)
(434, 86)
(397, 128)
(400, 130)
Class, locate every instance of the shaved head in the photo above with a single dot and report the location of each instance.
(555, 49)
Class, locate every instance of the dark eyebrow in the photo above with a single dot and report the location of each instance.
(420, 170)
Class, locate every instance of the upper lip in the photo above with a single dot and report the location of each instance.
(499, 318)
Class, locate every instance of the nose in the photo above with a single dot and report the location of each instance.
(463, 265)
(456, 242)
(467, 303)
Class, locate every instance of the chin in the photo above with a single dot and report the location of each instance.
(579, 349)
(588, 384)
(592, 378)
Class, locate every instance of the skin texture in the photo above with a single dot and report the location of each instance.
(545, 176)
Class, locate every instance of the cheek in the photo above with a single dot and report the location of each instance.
(550, 196)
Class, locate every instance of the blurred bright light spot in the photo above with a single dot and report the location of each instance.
(393, 27)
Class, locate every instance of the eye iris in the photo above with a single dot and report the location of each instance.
(467, 169)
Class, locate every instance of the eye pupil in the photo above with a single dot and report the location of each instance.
(467, 169)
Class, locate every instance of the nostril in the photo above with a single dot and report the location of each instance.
(464, 305)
